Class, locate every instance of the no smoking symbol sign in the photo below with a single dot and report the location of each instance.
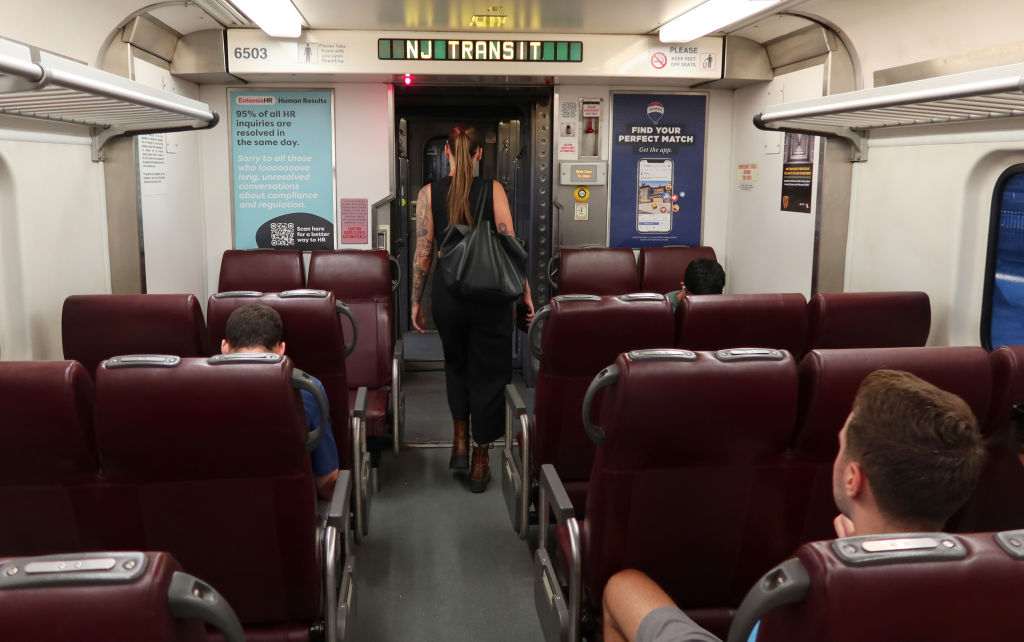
(659, 60)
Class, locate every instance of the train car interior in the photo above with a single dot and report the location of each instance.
(733, 212)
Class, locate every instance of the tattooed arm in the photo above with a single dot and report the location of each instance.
(424, 255)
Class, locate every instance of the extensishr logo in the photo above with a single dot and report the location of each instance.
(255, 100)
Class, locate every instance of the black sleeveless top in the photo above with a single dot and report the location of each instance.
(439, 203)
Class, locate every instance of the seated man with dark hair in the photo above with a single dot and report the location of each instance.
(702, 276)
(258, 328)
(909, 455)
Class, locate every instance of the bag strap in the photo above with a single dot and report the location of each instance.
(481, 202)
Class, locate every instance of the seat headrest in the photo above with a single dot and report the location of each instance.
(662, 268)
(261, 270)
(730, 407)
(719, 321)
(126, 597)
(584, 333)
(199, 420)
(97, 326)
(47, 431)
(829, 380)
(601, 271)
(915, 586)
(353, 275)
(868, 320)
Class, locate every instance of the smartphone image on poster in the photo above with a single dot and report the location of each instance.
(654, 196)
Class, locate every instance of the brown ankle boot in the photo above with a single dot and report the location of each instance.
(480, 473)
(460, 447)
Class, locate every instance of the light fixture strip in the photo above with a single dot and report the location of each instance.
(277, 18)
(711, 16)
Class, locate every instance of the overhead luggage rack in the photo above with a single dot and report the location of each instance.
(966, 97)
(37, 84)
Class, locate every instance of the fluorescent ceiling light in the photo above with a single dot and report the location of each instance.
(711, 16)
(277, 18)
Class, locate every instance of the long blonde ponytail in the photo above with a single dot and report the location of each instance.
(463, 144)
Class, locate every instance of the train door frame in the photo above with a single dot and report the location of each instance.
(526, 168)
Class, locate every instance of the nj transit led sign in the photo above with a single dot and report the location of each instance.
(480, 50)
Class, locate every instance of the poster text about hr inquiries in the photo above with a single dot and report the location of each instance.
(282, 157)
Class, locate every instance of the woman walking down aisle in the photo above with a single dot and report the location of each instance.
(477, 337)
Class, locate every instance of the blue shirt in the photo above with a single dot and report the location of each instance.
(325, 456)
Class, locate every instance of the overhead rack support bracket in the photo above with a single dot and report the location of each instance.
(857, 139)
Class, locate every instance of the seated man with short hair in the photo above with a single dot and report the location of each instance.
(909, 456)
(702, 276)
(258, 328)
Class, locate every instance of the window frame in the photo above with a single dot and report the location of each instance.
(995, 217)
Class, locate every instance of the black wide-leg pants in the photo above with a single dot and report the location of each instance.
(477, 341)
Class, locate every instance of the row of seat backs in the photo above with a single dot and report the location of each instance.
(205, 461)
(360, 278)
(715, 466)
(109, 596)
(583, 333)
(790, 322)
(99, 326)
(616, 270)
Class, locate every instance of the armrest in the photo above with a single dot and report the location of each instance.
(557, 498)
(359, 407)
(554, 499)
(360, 465)
(338, 570)
(341, 502)
(518, 463)
(189, 597)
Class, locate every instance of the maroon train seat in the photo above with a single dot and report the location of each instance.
(261, 271)
(662, 268)
(362, 279)
(868, 320)
(46, 437)
(212, 454)
(719, 321)
(601, 271)
(109, 596)
(915, 586)
(315, 341)
(996, 502)
(580, 335)
(97, 326)
(829, 380)
(690, 483)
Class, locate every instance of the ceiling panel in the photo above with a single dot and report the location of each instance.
(524, 16)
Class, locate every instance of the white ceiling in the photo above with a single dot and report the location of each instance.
(551, 16)
(636, 17)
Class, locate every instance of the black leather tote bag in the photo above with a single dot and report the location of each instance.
(480, 264)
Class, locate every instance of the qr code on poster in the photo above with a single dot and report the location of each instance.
(282, 234)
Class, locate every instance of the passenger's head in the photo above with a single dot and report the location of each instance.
(253, 328)
(704, 276)
(463, 150)
(909, 454)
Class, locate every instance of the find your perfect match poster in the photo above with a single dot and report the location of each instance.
(282, 160)
(657, 183)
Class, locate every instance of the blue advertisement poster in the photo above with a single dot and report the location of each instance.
(657, 182)
(282, 166)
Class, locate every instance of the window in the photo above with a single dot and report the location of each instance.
(1002, 315)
